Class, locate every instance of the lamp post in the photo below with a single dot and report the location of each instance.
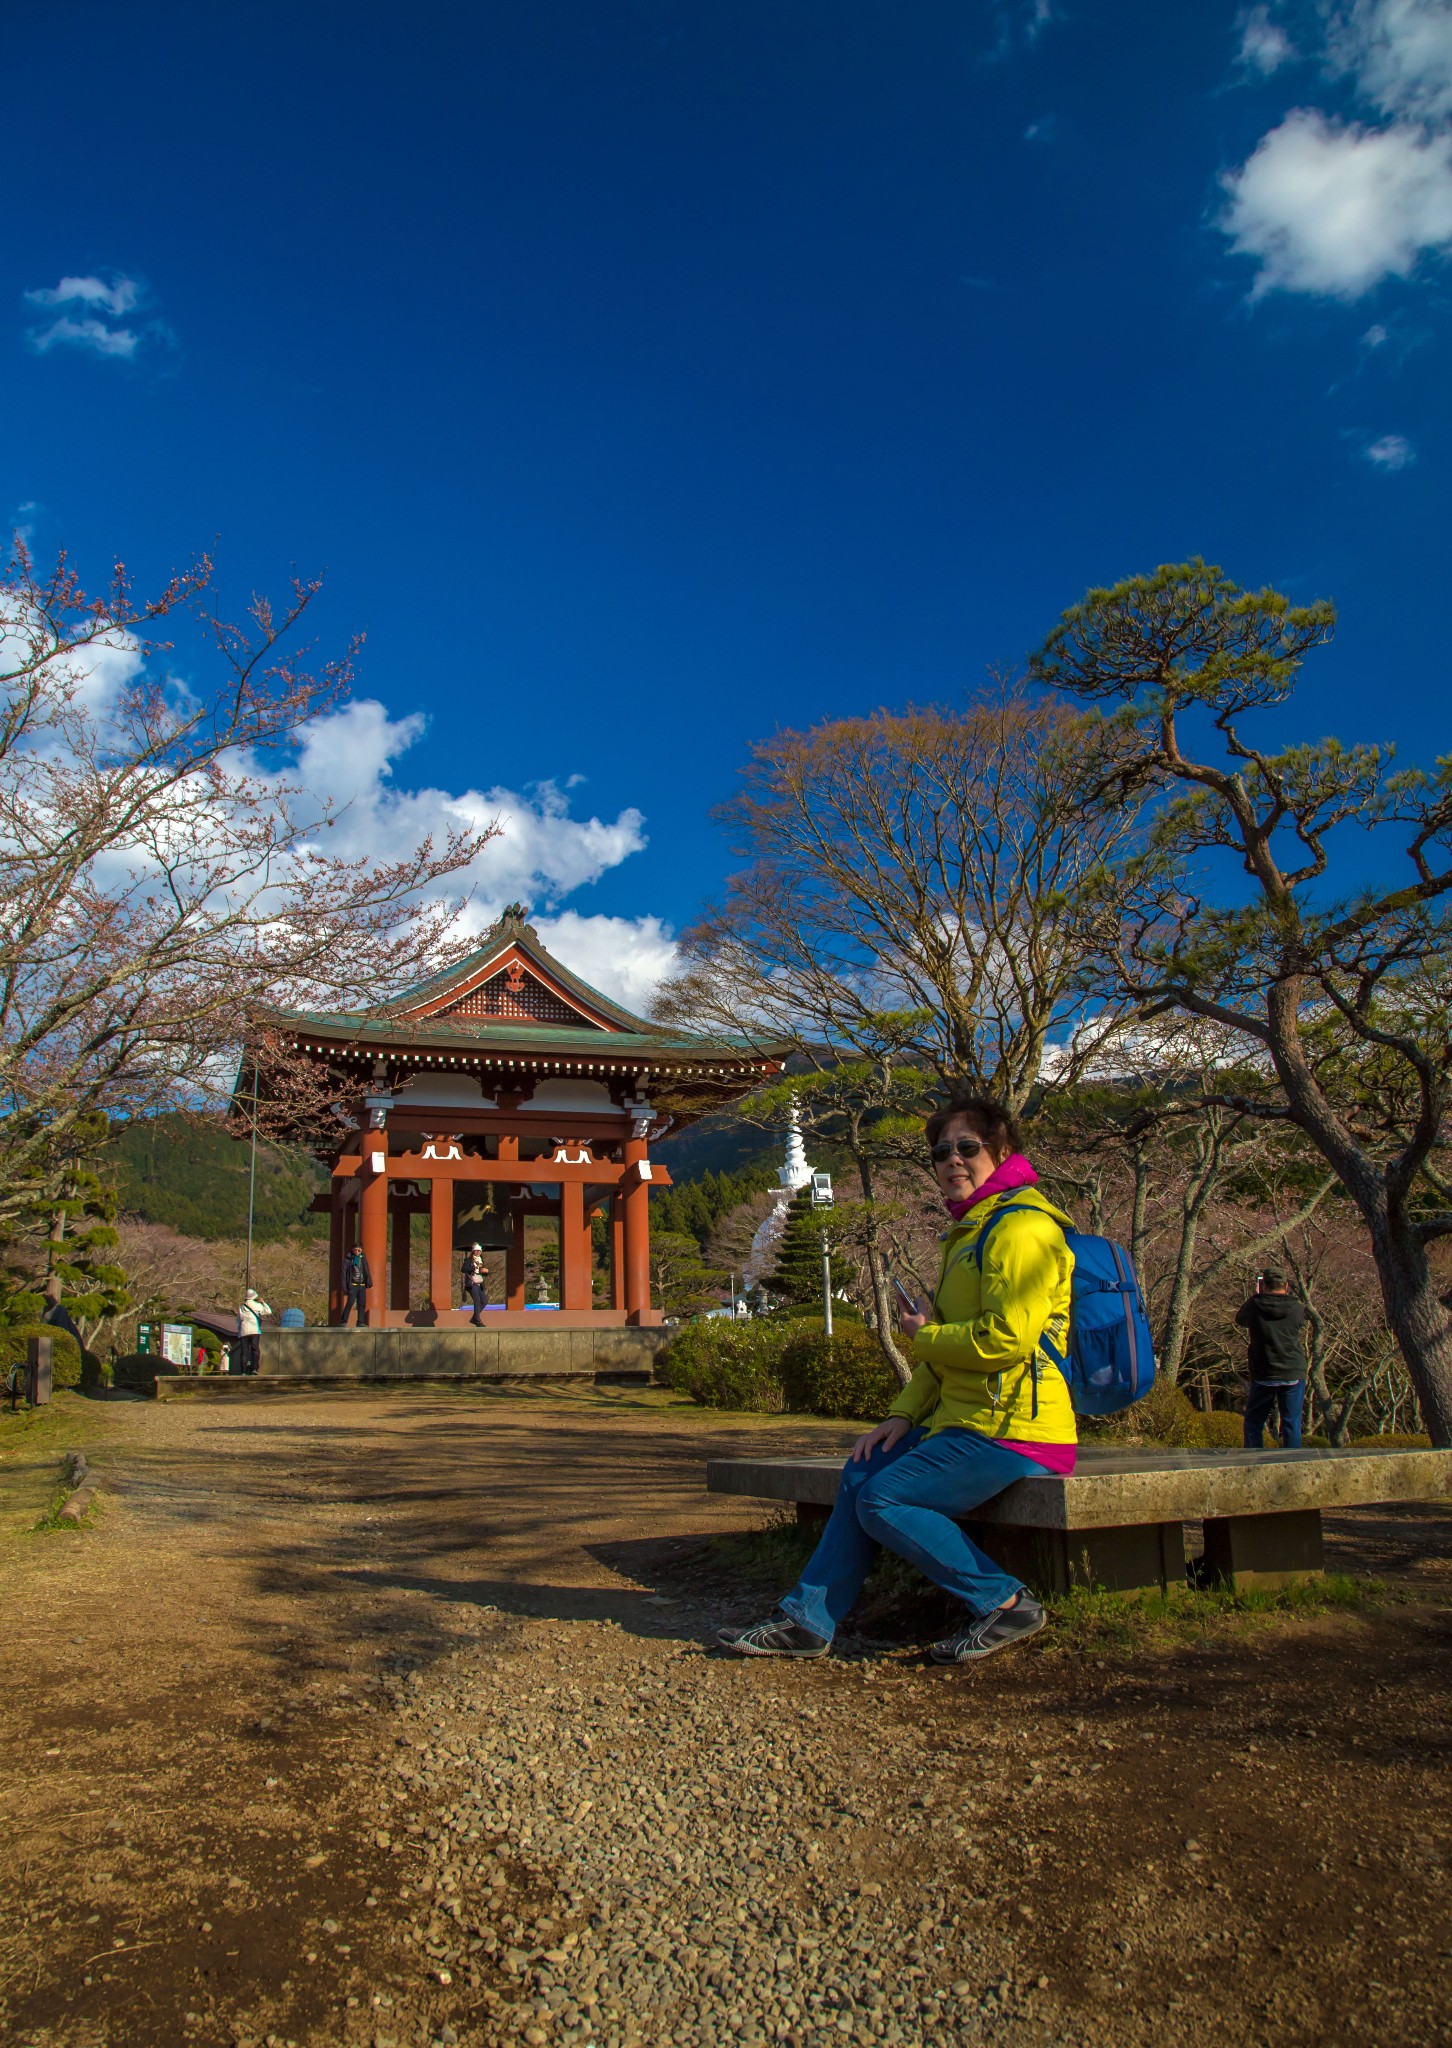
(251, 1182)
(822, 1199)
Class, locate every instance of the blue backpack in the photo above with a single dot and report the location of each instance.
(1110, 1361)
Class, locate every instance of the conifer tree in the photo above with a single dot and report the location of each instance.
(797, 1279)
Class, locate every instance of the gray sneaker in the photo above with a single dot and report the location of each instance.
(994, 1632)
(779, 1637)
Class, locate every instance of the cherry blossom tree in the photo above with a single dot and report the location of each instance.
(162, 880)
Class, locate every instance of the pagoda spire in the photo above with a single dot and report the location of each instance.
(794, 1172)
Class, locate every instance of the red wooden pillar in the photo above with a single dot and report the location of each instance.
(441, 1242)
(617, 1251)
(373, 1221)
(337, 1217)
(398, 1263)
(514, 1259)
(575, 1247)
(635, 1199)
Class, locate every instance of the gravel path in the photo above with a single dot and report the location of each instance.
(704, 1829)
(388, 1723)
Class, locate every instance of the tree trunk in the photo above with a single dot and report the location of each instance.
(1170, 1351)
(882, 1301)
(882, 1296)
(1139, 1220)
(1418, 1318)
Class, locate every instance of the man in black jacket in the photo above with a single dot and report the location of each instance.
(356, 1282)
(1276, 1324)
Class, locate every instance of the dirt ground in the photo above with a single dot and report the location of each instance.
(389, 1720)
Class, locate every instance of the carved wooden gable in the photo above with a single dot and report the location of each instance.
(516, 994)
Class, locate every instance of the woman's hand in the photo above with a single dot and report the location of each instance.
(910, 1322)
(886, 1433)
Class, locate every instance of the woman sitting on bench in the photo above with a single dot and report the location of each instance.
(984, 1407)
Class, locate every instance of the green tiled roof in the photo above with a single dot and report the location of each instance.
(493, 1034)
(488, 1035)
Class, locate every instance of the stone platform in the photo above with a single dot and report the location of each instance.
(1118, 1521)
(406, 1354)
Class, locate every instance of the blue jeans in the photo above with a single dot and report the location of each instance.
(1264, 1396)
(905, 1500)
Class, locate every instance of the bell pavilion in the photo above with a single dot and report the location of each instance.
(501, 1089)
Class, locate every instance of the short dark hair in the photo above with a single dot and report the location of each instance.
(1271, 1278)
(996, 1123)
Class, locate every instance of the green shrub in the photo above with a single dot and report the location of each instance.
(1393, 1440)
(1222, 1430)
(773, 1364)
(844, 1374)
(95, 1371)
(723, 1364)
(1166, 1416)
(65, 1354)
(134, 1369)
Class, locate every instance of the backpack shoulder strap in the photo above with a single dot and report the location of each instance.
(1008, 1209)
(1046, 1343)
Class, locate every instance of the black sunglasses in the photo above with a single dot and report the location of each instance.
(966, 1148)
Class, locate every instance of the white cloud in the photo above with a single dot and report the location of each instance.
(1399, 52)
(100, 304)
(542, 853)
(1376, 336)
(627, 958)
(115, 299)
(1332, 209)
(88, 334)
(1020, 23)
(1390, 451)
(1264, 44)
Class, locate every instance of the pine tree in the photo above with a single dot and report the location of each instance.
(59, 1251)
(796, 1281)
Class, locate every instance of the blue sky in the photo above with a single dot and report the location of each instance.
(648, 375)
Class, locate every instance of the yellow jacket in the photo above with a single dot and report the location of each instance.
(974, 1361)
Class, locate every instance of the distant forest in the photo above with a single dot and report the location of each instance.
(191, 1174)
(695, 1207)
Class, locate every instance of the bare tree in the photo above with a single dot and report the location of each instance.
(1160, 1158)
(924, 884)
(1345, 993)
(159, 876)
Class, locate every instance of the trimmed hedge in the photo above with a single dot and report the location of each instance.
(727, 1365)
(773, 1365)
(844, 1374)
(135, 1369)
(65, 1352)
(1221, 1430)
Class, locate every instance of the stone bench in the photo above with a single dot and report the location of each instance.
(1118, 1521)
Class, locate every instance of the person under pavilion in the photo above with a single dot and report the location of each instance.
(502, 1088)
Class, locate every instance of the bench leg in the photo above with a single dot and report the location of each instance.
(1146, 1557)
(1264, 1552)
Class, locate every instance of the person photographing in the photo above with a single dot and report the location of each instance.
(249, 1330)
(357, 1279)
(1276, 1323)
(985, 1406)
(476, 1283)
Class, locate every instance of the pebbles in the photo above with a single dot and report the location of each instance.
(629, 1842)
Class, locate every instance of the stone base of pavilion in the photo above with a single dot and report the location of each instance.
(529, 1345)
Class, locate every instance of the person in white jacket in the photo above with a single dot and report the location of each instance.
(249, 1331)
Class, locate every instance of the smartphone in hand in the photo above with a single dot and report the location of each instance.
(905, 1300)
